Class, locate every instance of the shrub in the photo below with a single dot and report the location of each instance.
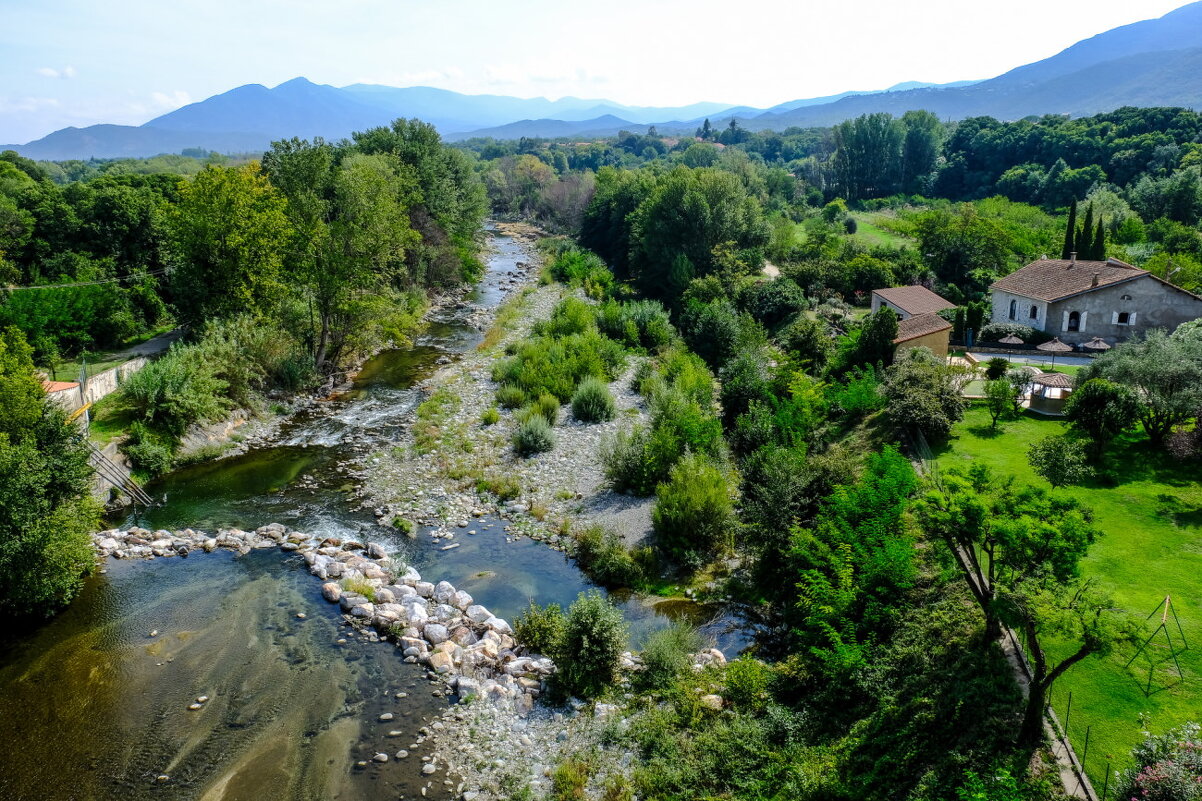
(772, 302)
(547, 406)
(694, 509)
(993, 332)
(149, 452)
(570, 316)
(540, 629)
(404, 525)
(506, 487)
(490, 416)
(533, 435)
(1167, 767)
(176, 390)
(583, 268)
(859, 394)
(603, 555)
(747, 684)
(667, 655)
(569, 779)
(1060, 460)
(360, 586)
(594, 635)
(510, 397)
(637, 460)
(922, 393)
(592, 402)
(996, 367)
(556, 366)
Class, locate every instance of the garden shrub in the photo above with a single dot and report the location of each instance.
(1061, 460)
(694, 509)
(996, 367)
(510, 397)
(667, 655)
(1167, 767)
(592, 401)
(594, 636)
(994, 332)
(533, 435)
(548, 407)
(540, 629)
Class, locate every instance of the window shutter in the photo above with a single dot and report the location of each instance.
(1084, 316)
(1131, 319)
(1064, 327)
(1114, 318)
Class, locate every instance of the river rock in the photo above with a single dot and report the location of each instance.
(444, 591)
(711, 701)
(466, 687)
(477, 613)
(441, 662)
(436, 633)
(387, 716)
(380, 758)
(384, 595)
(461, 600)
(424, 588)
(499, 625)
(376, 551)
(364, 610)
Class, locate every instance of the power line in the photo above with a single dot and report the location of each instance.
(131, 277)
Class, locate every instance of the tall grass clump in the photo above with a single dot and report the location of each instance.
(592, 401)
(666, 656)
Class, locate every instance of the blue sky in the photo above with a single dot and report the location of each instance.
(80, 62)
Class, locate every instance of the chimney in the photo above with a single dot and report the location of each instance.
(1072, 259)
(1096, 276)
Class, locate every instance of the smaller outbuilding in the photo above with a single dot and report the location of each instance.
(909, 301)
(923, 331)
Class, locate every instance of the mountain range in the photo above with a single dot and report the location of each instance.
(1155, 62)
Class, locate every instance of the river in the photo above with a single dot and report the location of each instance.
(94, 707)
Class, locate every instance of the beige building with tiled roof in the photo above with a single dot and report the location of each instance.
(909, 301)
(923, 331)
(1079, 300)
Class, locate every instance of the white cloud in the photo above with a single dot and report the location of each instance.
(172, 100)
(26, 104)
(65, 73)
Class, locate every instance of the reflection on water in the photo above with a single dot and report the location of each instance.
(97, 709)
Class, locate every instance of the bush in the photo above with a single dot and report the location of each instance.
(510, 397)
(921, 392)
(547, 406)
(490, 416)
(533, 435)
(540, 629)
(747, 683)
(592, 402)
(996, 367)
(994, 332)
(694, 509)
(149, 452)
(176, 390)
(637, 460)
(594, 636)
(667, 655)
(602, 554)
(570, 316)
(772, 302)
(1060, 460)
(582, 268)
(556, 366)
(859, 395)
(1167, 767)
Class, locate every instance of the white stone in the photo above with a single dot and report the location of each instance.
(436, 633)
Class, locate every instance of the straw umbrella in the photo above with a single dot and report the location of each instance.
(1010, 339)
(1054, 347)
(1096, 344)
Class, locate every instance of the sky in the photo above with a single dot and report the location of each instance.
(81, 62)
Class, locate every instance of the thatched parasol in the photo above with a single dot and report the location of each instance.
(1010, 339)
(1053, 347)
(1097, 344)
(1056, 380)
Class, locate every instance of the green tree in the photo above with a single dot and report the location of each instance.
(921, 148)
(1061, 460)
(962, 247)
(694, 509)
(587, 654)
(46, 511)
(1164, 372)
(923, 393)
(868, 156)
(1085, 246)
(228, 237)
(1101, 410)
(1000, 396)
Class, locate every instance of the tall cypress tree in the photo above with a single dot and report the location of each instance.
(1099, 242)
(1070, 232)
(1085, 238)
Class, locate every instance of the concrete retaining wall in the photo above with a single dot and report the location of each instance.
(107, 382)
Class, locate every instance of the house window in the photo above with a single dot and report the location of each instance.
(1124, 318)
(1034, 313)
(1074, 321)
(1013, 309)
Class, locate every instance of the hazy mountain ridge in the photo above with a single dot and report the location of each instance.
(1155, 62)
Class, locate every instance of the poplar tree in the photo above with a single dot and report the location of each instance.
(1099, 242)
(1070, 233)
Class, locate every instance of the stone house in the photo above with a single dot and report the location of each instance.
(1079, 300)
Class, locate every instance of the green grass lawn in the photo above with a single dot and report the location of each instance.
(1151, 520)
(108, 417)
(869, 229)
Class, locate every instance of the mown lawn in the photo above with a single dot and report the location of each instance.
(870, 230)
(1151, 518)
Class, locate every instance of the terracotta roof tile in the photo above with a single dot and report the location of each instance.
(920, 326)
(914, 299)
(59, 386)
(1053, 279)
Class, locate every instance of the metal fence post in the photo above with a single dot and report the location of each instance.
(1106, 782)
(1068, 710)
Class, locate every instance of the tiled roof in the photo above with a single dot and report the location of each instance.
(919, 326)
(59, 386)
(914, 299)
(1053, 279)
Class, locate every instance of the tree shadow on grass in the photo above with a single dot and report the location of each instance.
(986, 431)
(1132, 458)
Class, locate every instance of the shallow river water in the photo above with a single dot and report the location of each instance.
(93, 707)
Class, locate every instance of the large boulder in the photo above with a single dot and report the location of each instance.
(331, 591)
(436, 633)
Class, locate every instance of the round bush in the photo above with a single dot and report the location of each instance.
(548, 406)
(594, 636)
(510, 397)
(533, 435)
(592, 402)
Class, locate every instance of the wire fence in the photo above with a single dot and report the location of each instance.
(1075, 729)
